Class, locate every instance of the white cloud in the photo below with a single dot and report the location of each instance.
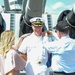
(57, 5)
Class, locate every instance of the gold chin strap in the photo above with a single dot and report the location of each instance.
(38, 23)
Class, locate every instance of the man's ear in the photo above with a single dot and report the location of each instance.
(59, 34)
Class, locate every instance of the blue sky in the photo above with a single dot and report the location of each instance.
(55, 6)
(1, 2)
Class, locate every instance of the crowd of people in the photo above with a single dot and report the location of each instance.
(32, 51)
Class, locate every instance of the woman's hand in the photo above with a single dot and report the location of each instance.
(25, 35)
(17, 45)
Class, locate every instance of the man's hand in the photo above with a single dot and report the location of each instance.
(47, 33)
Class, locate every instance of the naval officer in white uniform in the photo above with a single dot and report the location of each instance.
(37, 55)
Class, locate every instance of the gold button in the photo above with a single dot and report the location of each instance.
(39, 62)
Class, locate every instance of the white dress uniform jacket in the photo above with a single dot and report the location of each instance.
(37, 55)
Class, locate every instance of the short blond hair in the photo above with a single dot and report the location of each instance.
(7, 40)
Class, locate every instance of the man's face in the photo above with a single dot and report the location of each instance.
(37, 30)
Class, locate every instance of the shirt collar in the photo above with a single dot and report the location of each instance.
(37, 37)
(65, 37)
